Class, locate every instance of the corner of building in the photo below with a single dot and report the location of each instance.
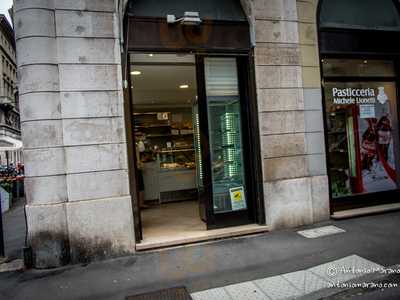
(79, 204)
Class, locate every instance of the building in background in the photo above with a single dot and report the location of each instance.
(10, 134)
(263, 114)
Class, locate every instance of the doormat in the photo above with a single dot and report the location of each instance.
(320, 232)
(179, 293)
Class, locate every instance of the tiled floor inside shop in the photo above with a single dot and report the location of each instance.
(179, 223)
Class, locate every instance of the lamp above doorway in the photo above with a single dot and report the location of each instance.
(190, 18)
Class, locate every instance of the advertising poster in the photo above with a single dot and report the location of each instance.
(361, 143)
(377, 151)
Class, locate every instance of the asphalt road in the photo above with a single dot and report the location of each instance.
(204, 266)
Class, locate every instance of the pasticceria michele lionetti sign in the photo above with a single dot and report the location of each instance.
(353, 96)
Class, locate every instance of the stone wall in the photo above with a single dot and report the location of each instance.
(79, 207)
(78, 202)
(290, 112)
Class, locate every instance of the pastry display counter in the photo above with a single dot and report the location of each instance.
(168, 154)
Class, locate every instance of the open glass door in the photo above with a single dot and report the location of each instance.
(221, 108)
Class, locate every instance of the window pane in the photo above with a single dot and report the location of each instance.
(360, 14)
(361, 122)
(357, 68)
(224, 122)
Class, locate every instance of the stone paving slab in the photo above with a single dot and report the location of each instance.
(306, 281)
(320, 231)
(213, 294)
(296, 284)
(345, 269)
(278, 288)
(245, 291)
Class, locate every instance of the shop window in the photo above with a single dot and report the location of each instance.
(365, 14)
(358, 68)
(224, 123)
(362, 126)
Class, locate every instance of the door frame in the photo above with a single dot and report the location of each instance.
(213, 41)
(241, 217)
(255, 212)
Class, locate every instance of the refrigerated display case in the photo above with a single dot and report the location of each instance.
(226, 153)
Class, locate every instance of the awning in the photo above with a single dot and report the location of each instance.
(10, 144)
(360, 14)
(359, 27)
(224, 26)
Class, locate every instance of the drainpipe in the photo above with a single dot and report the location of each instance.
(2, 254)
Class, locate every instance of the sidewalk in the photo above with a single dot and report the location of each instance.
(14, 230)
(207, 266)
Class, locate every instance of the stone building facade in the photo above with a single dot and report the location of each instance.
(9, 108)
(73, 123)
(290, 112)
(78, 202)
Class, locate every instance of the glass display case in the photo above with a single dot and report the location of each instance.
(226, 153)
(174, 159)
(168, 142)
(225, 135)
(167, 154)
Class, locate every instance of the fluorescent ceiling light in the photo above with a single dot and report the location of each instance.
(184, 86)
(136, 73)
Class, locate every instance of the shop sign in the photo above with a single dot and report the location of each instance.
(353, 96)
(358, 96)
(238, 200)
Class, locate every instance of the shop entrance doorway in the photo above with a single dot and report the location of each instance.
(189, 129)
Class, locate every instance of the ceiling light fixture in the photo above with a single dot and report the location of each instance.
(136, 73)
(151, 54)
(184, 86)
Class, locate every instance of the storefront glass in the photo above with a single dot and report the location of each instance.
(362, 126)
(225, 134)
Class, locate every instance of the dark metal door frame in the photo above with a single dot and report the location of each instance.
(232, 218)
(245, 58)
(130, 140)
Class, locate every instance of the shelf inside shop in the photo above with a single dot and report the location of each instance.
(145, 113)
(157, 135)
(176, 150)
(152, 126)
